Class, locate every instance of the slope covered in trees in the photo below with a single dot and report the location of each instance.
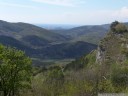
(19, 30)
(40, 43)
(104, 70)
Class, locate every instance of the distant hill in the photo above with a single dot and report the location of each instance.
(58, 51)
(68, 50)
(11, 42)
(92, 34)
(88, 33)
(112, 51)
(56, 26)
(83, 30)
(35, 41)
(19, 30)
(41, 43)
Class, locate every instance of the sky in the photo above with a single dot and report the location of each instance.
(74, 12)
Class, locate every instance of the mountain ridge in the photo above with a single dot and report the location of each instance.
(41, 43)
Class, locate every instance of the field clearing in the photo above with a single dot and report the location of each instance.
(47, 62)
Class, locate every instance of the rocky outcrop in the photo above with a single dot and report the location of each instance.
(114, 47)
(100, 56)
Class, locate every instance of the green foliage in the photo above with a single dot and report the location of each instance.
(121, 28)
(91, 58)
(55, 73)
(118, 27)
(124, 51)
(54, 80)
(78, 88)
(113, 25)
(15, 71)
(75, 65)
(84, 61)
(119, 78)
(105, 86)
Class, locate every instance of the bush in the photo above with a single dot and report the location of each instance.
(117, 27)
(120, 78)
(120, 28)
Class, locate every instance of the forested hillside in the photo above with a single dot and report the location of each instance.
(41, 43)
(104, 70)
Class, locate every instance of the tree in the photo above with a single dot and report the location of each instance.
(121, 28)
(118, 27)
(15, 71)
(113, 25)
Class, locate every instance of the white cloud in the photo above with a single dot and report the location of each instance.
(70, 3)
(16, 5)
(96, 16)
(122, 13)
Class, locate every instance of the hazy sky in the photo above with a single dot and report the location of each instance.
(83, 12)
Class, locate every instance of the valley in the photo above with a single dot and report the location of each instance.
(63, 48)
(49, 44)
(83, 61)
(52, 45)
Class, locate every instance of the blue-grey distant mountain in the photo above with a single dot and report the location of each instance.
(56, 26)
(41, 43)
(68, 50)
(19, 30)
(58, 51)
(11, 42)
(92, 34)
(88, 33)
